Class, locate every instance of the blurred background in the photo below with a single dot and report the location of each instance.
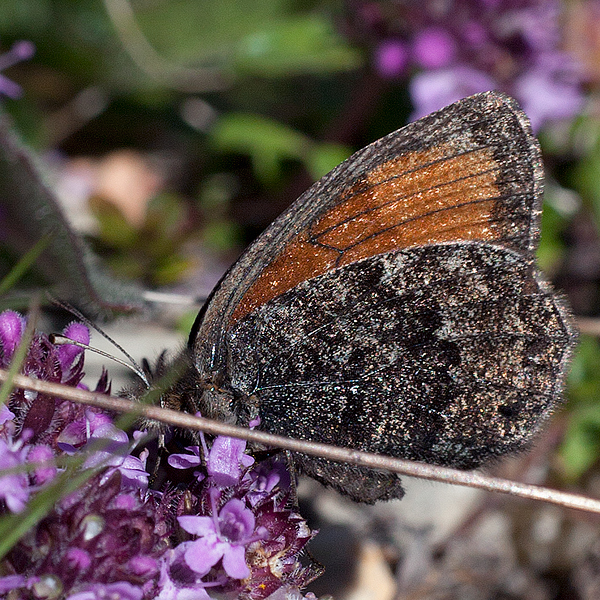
(172, 132)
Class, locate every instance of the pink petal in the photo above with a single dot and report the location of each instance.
(234, 562)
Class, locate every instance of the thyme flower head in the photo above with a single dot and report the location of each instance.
(226, 526)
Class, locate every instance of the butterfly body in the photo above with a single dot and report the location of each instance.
(396, 306)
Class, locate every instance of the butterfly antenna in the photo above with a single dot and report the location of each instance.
(59, 338)
(133, 366)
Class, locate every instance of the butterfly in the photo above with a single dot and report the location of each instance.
(396, 306)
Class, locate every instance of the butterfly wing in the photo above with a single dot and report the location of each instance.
(395, 307)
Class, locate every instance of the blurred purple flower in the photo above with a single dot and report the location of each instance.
(14, 487)
(77, 558)
(463, 47)
(12, 326)
(434, 48)
(12, 582)
(550, 92)
(432, 90)
(20, 51)
(391, 58)
(44, 456)
(121, 590)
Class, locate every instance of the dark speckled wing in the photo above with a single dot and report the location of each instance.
(395, 307)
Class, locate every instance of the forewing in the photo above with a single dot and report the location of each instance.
(471, 171)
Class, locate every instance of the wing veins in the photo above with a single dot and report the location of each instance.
(407, 196)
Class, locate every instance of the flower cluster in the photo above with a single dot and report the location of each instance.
(245, 540)
(455, 49)
(225, 529)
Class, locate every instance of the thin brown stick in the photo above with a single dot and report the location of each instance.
(329, 452)
(589, 326)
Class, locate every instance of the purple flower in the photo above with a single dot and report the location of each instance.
(79, 559)
(121, 590)
(226, 459)
(454, 49)
(430, 90)
(67, 353)
(144, 566)
(43, 415)
(75, 434)
(177, 581)
(14, 487)
(186, 461)
(12, 326)
(434, 48)
(20, 51)
(5, 415)
(549, 92)
(95, 537)
(12, 582)
(115, 538)
(391, 58)
(264, 479)
(110, 447)
(45, 472)
(221, 538)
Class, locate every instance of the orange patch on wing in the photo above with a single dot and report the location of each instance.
(416, 199)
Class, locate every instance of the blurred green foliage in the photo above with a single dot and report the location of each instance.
(149, 253)
(580, 449)
(269, 143)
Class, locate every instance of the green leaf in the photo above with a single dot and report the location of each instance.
(269, 143)
(165, 214)
(220, 235)
(585, 177)
(114, 227)
(170, 269)
(31, 212)
(266, 141)
(580, 449)
(324, 157)
(581, 444)
(552, 248)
